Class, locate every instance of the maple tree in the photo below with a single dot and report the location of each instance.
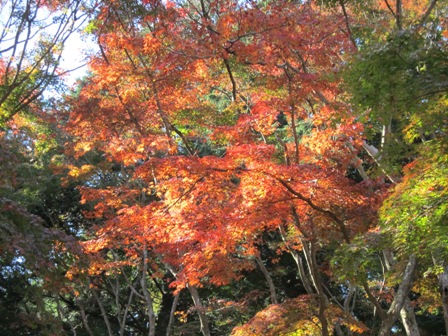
(215, 209)
(213, 141)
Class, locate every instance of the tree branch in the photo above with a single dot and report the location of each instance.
(427, 13)
(329, 214)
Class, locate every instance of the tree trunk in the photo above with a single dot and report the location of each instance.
(268, 279)
(103, 311)
(407, 312)
(408, 319)
(201, 311)
(205, 329)
(400, 297)
(298, 259)
(125, 314)
(302, 274)
(84, 318)
(164, 315)
(310, 256)
(349, 303)
(62, 317)
(173, 310)
(147, 295)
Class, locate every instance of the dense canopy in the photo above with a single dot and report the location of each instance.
(224, 168)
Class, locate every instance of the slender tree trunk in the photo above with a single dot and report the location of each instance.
(427, 13)
(310, 257)
(84, 318)
(125, 313)
(349, 303)
(357, 162)
(205, 329)
(302, 274)
(164, 315)
(347, 24)
(298, 259)
(384, 136)
(115, 289)
(147, 295)
(268, 279)
(373, 152)
(309, 261)
(121, 315)
(323, 299)
(232, 79)
(293, 122)
(103, 311)
(407, 312)
(173, 311)
(399, 14)
(149, 304)
(351, 293)
(400, 297)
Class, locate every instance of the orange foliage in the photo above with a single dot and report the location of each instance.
(204, 214)
(294, 317)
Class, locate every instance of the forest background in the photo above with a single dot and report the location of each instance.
(224, 168)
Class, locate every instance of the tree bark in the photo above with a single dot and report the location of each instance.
(205, 329)
(349, 303)
(147, 295)
(427, 13)
(298, 259)
(62, 317)
(399, 14)
(408, 319)
(125, 314)
(84, 318)
(266, 274)
(201, 311)
(103, 312)
(173, 310)
(310, 256)
(400, 297)
(164, 315)
(407, 312)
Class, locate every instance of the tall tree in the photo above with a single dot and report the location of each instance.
(216, 142)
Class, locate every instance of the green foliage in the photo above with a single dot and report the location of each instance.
(432, 123)
(417, 210)
(23, 94)
(359, 260)
(396, 76)
(397, 86)
(381, 77)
